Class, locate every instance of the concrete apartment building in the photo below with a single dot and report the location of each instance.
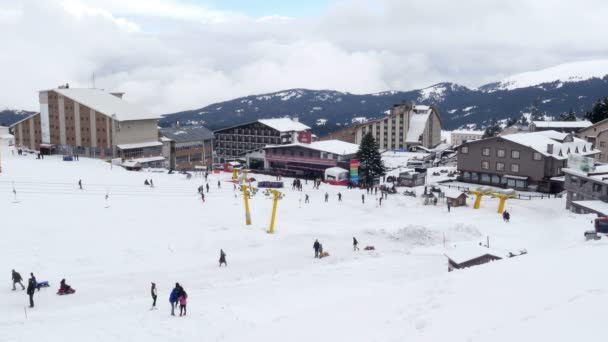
(89, 122)
(234, 142)
(587, 191)
(457, 137)
(520, 161)
(187, 147)
(407, 125)
(597, 134)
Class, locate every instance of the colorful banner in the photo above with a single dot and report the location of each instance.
(354, 171)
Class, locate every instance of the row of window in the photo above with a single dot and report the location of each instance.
(485, 178)
(580, 182)
(501, 153)
(500, 166)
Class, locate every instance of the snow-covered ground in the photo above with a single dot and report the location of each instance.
(273, 289)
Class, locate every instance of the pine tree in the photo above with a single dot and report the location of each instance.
(536, 113)
(599, 111)
(492, 129)
(370, 159)
(522, 121)
(570, 116)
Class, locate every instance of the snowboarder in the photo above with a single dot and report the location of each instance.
(355, 244)
(317, 247)
(326, 196)
(182, 298)
(339, 197)
(363, 198)
(146, 182)
(207, 186)
(17, 280)
(80, 184)
(223, 258)
(153, 294)
(173, 298)
(306, 199)
(31, 287)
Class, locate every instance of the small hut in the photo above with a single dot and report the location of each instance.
(464, 256)
(456, 198)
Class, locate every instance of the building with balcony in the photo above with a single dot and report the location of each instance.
(587, 190)
(235, 142)
(187, 147)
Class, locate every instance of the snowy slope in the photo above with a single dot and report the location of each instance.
(568, 72)
(273, 289)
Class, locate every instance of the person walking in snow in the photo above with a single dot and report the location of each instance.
(153, 294)
(449, 205)
(182, 298)
(326, 196)
(203, 196)
(355, 244)
(34, 279)
(339, 197)
(316, 246)
(151, 183)
(207, 186)
(506, 216)
(223, 258)
(173, 298)
(31, 287)
(306, 198)
(80, 184)
(17, 279)
(219, 185)
(146, 182)
(380, 201)
(363, 198)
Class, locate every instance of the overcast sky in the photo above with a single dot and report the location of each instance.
(173, 55)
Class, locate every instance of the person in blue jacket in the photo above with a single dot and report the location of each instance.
(173, 298)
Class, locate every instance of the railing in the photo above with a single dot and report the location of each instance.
(519, 196)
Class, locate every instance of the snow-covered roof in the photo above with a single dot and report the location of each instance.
(561, 149)
(107, 104)
(464, 131)
(331, 146)
(598, 206)
(25, 118)
(466, 252)
(416, 127)
(421, 107)
(187, 133)
(139, 145)
(284, 124)
(335, 171)
(452, 193)
(562, 124)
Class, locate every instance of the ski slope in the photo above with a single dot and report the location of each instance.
(273, 289)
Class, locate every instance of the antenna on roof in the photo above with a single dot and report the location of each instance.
(93, 80)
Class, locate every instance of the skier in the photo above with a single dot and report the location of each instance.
(173, 298)
(207, 186)
(80, 183)
(363, 198)
(306, 199)
(326, 196)
(339, 197)
(355, 244)
(223, 258)
(153, 294)
(182, 298)
(31, 286)
(17, 280)
(316, 247)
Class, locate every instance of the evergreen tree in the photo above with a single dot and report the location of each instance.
(599, 111)
(570, 116)
(536, 113)
(522, 121)
(511, 122)
(492, 129)
(370, 161)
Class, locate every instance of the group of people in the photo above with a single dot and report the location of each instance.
(150, 183)
(296, 184)
(318, 248)
(178, 296)
(506, 216)
(33, 285)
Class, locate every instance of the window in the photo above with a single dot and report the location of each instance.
(464, 149)
(485, 164)
(500, 166)
(602, 144)
(515, 154)
(515, 168)
(485, 151)
(597, 187)
(537, 156)
(500, 153)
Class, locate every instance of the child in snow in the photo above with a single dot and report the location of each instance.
(173, 298)
(223, 258)
(183, 300)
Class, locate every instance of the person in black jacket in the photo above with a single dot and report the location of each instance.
(355, 244)
(34, 279)
(153, 294)
(31, 287)
(17, 280)
(317, 247)
(223, 258)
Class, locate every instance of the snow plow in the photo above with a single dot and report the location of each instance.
(601, 229)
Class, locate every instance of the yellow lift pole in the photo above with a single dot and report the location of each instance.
(478, 195)
(503, 198)
(276, 195)
(246, 197)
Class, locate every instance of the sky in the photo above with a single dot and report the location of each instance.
(173, 55)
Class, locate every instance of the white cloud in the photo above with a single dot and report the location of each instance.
(172, 55)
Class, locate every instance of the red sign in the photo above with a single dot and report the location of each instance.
(304, 137)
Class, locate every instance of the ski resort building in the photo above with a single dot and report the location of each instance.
(526, 161)
(559, 126)
(597, 134)
(89, 122)
(187, 147)
(309, 160)
(465, 256)
(234, 142)
(407, 125)
(587, 189)
(457, 137)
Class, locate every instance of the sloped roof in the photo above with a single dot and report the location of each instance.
(539, 141)
(467, 252)
(416, 128)
(562, 124)
(188, 133)
(284, 124)
(20, 121)
(107, 104)
(331, 146)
